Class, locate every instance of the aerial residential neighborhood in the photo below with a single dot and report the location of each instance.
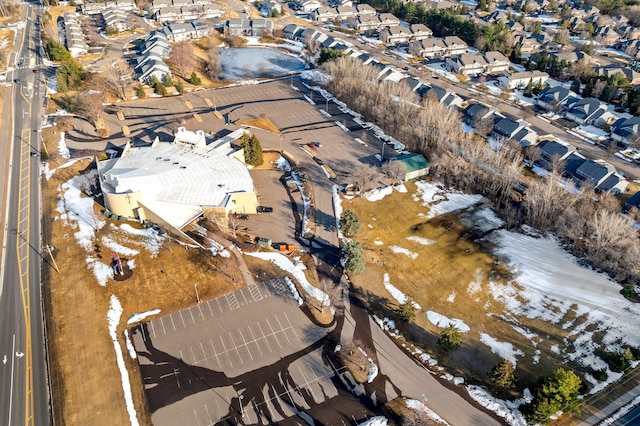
(320, 212)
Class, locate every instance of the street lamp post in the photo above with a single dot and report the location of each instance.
(240, 398)
(197, 295)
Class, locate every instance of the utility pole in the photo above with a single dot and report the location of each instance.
(52, 259)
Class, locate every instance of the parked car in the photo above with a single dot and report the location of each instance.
(34, 154)
(318, 160)
(264, 209)
(243, 217)
(17, 80)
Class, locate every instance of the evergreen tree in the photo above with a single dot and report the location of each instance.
(140, 91)
(167, 80)
(194, 79)
(252, 150)
(450, 338)
(557, 391)
(353, 255)
(502, 376)
(406, 311)
(537, 88)
(180, 87)
(575, 86)
(528, 90)
(349, 223)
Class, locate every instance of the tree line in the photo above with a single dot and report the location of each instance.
(589, 224)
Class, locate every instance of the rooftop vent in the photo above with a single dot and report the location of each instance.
(167, 160)
(175, 163)
(183, 167)
(158, 158)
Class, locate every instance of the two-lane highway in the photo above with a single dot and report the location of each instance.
(23, 371)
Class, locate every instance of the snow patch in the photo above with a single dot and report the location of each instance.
(400, 297)
(401, 250)
(441, 321)
(420, 240)
(502, 349)
(419, 406)
(113, 316)
(142, 315)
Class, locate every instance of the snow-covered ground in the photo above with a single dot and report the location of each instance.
(419, 406)
(441, 201)
(504, 349)
(113, 317)
(399, 296)
(286, 265)
(442, 321)
(440, 69)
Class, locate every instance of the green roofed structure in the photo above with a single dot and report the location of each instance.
(415, 165)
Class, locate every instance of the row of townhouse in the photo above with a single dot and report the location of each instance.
(399, 34)
(97, 8)
(590, 111)
(248, 27)
(520, 80)
(438, 47)
(585, 173)
(488, 120)
(342, 12)
(73, 35)
(428, 91)
(157, 5)
(473, 64)
(553, 154)
(150, 60)
(188, 31)
(115, 18)
(187, 13)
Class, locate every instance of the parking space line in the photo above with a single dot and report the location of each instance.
(204, 354)
(182, 356)
(273, 333)
(153, 329)
(236, 348)
(282, 329)
(193, 355)
(310, 388)
(210, 310)
(219, 306)
(264, 337)
(245, 344)
(225, 351)
(255, 340)
(255, 292)
(290, 326)
(192, 320)
(245, 299)
(208, 415)
(182, 318)
(232, 301)
(215, 353)
(172, 323)
(163, 329)
(200, 309)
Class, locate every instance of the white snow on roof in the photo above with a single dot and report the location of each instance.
(181, 177)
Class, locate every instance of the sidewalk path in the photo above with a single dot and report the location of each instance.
(612, 408)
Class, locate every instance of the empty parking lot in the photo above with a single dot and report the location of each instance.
(251, 356)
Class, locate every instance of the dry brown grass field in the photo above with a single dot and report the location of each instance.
(450, 277)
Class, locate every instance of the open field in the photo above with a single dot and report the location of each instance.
(432, 257)
(7, 37)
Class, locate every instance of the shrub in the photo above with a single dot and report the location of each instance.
(349, 223)
(194, 79)
(450, 338)
(180, 87)
(406, 311)
(140, 91)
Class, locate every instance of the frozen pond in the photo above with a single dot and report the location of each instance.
(252, 62)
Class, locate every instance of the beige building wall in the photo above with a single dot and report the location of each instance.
(244, 202)
(127, 205)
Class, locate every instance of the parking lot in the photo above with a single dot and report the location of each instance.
(249, 355)
(280, 225)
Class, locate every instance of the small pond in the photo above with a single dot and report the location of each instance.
(254, 62)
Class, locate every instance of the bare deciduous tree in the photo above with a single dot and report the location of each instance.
(118, 78)
(181, 58)
(364, 178)
(394, 170)
(213, 66)
(599, 87)
(89, 104)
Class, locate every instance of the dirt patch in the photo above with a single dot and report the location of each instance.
(262, 123)
(7, 38)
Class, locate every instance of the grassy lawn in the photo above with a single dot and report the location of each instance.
(450, 277)
(261, 123)
(7, 38)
